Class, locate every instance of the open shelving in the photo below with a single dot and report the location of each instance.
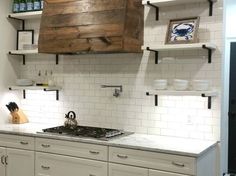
(43, 88)
(23, 53)
(26, 15)
(160, 3)
(170, 47)
(208, 94)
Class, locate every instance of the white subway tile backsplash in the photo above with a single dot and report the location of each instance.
(81, 77)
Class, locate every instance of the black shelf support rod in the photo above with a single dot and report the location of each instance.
(23, 21)
(209, 100)
(156, 97)
(57, 59)
(157, 9)
(156, 54)
(57, 92)
(209, 53)
(210, 7)
(23, 56)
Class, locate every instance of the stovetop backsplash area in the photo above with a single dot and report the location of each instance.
(81, 77)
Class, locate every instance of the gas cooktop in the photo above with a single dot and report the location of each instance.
(86, 131)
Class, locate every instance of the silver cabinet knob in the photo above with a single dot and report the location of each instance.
(122, 156)
(24, 143)
(178, 164)
(45, 167)
(45, 145)
(94, 152)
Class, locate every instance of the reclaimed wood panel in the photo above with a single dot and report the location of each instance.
(83, 6)
(74, 26)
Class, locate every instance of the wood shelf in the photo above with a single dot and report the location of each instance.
(23, 52)
(208, 94)
(160, 3)
(170, 47)
(26, 15)
(43, 88)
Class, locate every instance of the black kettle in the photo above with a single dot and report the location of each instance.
(71, 121)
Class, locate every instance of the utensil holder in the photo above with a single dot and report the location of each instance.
(18, 117)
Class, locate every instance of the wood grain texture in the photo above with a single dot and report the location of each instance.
(73, 26)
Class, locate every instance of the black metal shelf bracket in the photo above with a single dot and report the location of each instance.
(22, 21)
(209, 100)
(156, 54)
(156, 97)
(57, 59)
(157, 9)
(23, 56)
(209, 53)
(210, 7)
(57, 92)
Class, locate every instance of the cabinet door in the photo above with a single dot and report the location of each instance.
(2, 165)
(59, 165)
(162, 173)
(123, 170)
(19, 162)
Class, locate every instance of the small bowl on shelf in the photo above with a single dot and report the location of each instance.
(200, 85)
(160, 84)
(180, 84)
(24, 82)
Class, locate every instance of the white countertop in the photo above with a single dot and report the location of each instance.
(154, 143)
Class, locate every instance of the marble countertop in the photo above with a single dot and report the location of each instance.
(154, 143)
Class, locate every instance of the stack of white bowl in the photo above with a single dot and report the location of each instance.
(24, 82)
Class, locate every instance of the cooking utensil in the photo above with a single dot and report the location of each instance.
(71, 121)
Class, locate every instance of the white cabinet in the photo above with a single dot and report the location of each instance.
(162, 173)
(59, 165)
(123, 170)
(2, 164)
(19, 162)
(15, 162)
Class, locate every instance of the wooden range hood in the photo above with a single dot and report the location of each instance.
(91, 26)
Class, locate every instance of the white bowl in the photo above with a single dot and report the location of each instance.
(160, 84)
(200, 84)
(180, 84)
(24, 82)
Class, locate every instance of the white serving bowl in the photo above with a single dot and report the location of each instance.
(24, 82)
(160, 84)
(200, 84)
(180, 84)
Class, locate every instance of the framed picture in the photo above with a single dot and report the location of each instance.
(24, 37)
(182, 31)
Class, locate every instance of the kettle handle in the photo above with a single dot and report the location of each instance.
(71, 115)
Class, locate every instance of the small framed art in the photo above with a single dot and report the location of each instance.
(24, 37)
(182, 31)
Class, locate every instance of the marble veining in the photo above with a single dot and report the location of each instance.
(154, 143)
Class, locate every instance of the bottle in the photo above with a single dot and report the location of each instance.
(15, 6)
(41, 3)
(36, 4)
(29, 5)
(22, 7)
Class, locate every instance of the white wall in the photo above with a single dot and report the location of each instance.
(9, 66)
(82, 75)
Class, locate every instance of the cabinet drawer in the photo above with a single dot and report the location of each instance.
(59, 165)
(153, 160)
(15, 141)
(123, 170)
(162, 173)
(76, 149)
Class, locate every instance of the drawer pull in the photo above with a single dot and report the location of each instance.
(94, 152)
(45, 167)
(24, 143)
(2, 159)
(122, 156)
(45, 145)
(91, 175)
(178, 164)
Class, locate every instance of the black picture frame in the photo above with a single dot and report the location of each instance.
(29, 38)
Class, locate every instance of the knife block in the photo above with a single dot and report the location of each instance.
(18, 117)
